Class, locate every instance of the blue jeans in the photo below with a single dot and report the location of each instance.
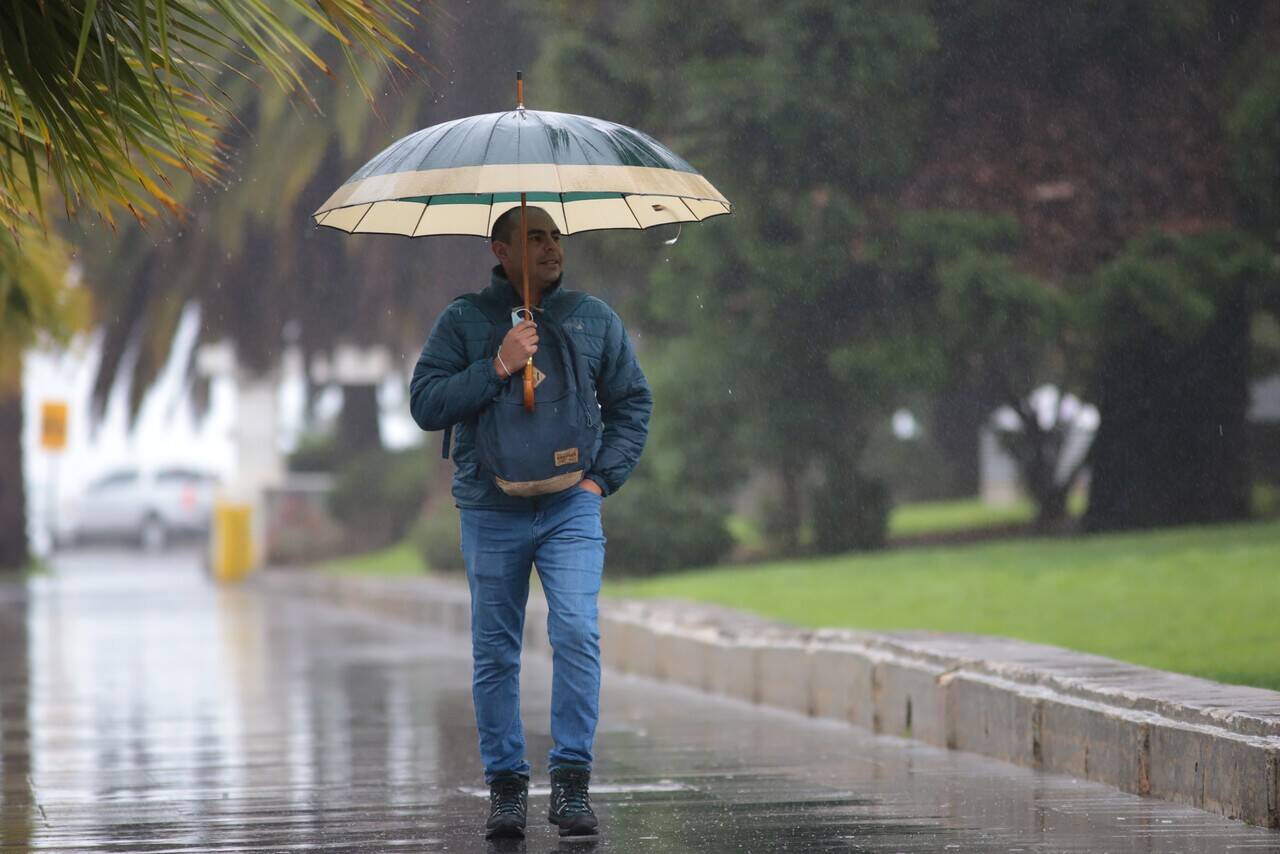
(564, 538)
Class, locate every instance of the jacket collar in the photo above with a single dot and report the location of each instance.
(508, 294)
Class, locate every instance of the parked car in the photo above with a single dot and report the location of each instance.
(150, 507)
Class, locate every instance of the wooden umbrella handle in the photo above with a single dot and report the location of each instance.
(524, 249)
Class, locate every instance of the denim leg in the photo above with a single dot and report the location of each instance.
(497, 548)
(570, 561)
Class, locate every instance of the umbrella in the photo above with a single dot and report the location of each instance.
(459, 176)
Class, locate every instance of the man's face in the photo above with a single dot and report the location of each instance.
(546, 256)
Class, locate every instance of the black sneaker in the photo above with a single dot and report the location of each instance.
(508, 806)
(570, 803)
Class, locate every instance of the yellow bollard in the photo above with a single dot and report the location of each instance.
(232, 541)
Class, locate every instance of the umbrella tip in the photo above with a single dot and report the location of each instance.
(519, 90)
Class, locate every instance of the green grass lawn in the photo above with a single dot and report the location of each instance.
(1203, 601)
(922, 518)
(36, 567)
(400, 559)
(938, 517)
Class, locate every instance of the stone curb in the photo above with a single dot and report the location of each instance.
(1215, 747)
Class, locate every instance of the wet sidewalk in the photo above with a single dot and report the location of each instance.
(143, 710)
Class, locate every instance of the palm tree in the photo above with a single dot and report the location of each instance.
(34, 304)
(249, 255)
(109, 102)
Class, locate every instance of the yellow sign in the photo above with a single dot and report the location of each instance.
(53, 425)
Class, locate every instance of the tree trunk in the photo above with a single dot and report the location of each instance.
(955, 426)
(1172, 448)
(850, 511)
(15, 726)
(1038, 452)
(358, 423)
(786, 524)
(14, 552)
(1051, 509)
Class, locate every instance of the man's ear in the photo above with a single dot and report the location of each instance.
(500, 250)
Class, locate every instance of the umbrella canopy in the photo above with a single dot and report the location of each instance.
(459, 176)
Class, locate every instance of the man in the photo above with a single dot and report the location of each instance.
(457, 375)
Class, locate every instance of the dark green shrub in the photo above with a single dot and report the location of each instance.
(850, 514)
(378, 494)
(650, 529)
(1253, 133)
(438, 538)
(316, 452)
(654, 527)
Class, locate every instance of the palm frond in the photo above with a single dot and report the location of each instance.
(103, 98)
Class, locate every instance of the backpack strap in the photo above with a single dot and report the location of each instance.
(498, 317)
(561, 309)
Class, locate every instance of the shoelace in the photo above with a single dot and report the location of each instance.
(573, 795)
(507, 799)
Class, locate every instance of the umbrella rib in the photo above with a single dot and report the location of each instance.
(362, 216)
(554, 164)
(484, 161)
(681, 200)
(421, 216)
(489, 222)
(564, 216)
(393, 151)
(627, 205)
(435, 143)
(484, 158)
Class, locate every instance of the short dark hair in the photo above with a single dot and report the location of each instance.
(504, 227)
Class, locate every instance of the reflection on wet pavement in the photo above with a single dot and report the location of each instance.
(143, 710)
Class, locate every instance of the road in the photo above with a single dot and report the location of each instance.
(142, 709)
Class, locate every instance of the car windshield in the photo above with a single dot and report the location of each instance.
(176, 475)
(114, 481)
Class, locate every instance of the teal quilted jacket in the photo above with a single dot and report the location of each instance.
(454, 379)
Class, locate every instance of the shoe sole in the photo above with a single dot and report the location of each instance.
(505, 832)
(569, 833)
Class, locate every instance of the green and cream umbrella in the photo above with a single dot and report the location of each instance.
(460, 176)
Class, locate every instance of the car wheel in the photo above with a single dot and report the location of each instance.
(153, 535)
